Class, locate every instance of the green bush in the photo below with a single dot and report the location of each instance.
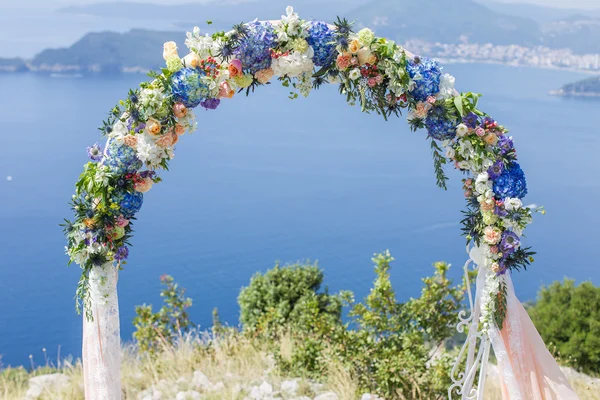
(155, 331)
(393, 349)
(568, 317)
(287, 295)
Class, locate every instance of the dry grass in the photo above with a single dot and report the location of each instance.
(235, 361)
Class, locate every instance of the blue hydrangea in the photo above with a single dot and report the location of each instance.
(511, 183)
(439, 126)
(322, 39)
(121, 159)
(254, 50)
(426, 74)
(129, 203)
(188, 88)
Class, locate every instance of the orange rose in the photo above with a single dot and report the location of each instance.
(179, 129)
(153, 126)
(225, 90)
(130, 141)
(354, 46)
(491, 139)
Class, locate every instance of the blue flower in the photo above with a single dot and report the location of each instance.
(122, 253)
(188, 88)
(254, 50)
(95, 152)
(121, 158)
(322, 39)
(129, 203)
(471, 120)
(426, 75)
(210, 104)
(505, 144)
(496, 170)
(511, 183)
(439, 126)
(509, 243)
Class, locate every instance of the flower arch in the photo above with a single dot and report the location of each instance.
(372, 72)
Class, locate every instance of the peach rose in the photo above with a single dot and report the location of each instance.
(364, 55)
(495, 267)
(264, 75)
(422, 109)
(144, 185)
(170, 50)
(179, 129)
(491, 139)
(180, 110)
(174, 138)
(491, 235)
(153, 126)
(354, 46)
(165, 140)
(343, 61)
(372, 59)
(191, 60)
(130, 141)
(235, 68)
(485, 206)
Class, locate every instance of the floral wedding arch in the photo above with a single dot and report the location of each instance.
(372, 72)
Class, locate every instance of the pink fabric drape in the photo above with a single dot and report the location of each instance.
(527, 369)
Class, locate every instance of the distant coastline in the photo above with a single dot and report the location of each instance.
(589, 87)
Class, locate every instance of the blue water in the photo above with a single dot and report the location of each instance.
(266, 178)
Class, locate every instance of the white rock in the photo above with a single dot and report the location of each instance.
(266, 388)
(40, 384)
(189, 395)
(369, 396)
(201, 381)
(290, 387)
(327, 396)
(218, 387)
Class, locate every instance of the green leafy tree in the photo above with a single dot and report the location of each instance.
(568, 317)
(284, 295)
(156, 331)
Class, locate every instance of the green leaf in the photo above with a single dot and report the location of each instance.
(458, 103)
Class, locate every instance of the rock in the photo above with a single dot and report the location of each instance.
(217, 387)
(327, 396)
(266, 389)
(369, 396)
(201, 381)
(189, 395)
(40, 384)
(290, 387)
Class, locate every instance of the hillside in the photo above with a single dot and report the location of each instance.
(446, 22)
(108, 52)
(589, 87)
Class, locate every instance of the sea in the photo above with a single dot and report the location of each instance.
(267, 179)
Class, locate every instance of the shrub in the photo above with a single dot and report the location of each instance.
(391, 348)
(568, 317)
(158, 330)
(287, 295)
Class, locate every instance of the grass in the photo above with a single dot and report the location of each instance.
(237, 361)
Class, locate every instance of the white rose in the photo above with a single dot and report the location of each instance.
(191, 60)
(512, 204)
(461, 130)
(354, 74)
(450, 153)
(482, 177)
(363, 55)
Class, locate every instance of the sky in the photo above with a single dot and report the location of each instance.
(50, 4)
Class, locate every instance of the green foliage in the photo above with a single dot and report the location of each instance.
(155, 331)
(392, 348)
(288, 294)
(568, 317)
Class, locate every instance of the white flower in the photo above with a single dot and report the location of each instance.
(464, 165)
(151, 101)
(101, 177)
(446, 87)
(461, 130)
(204, 46)
(450, 153)
(290, 25)
(512, 203)
(305, 84)
(354, 74)
(483, 184)
(294, 64)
